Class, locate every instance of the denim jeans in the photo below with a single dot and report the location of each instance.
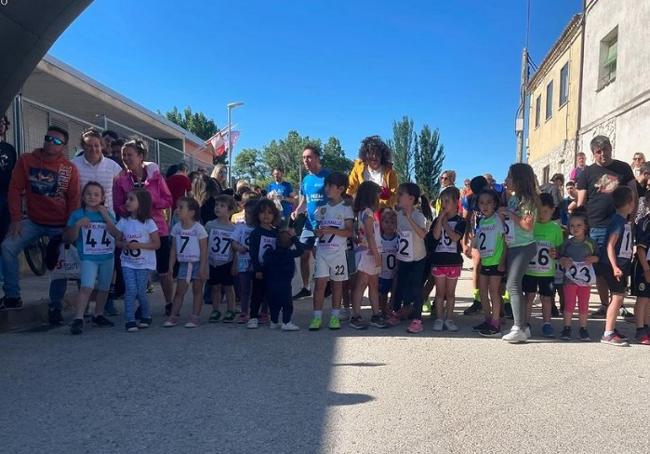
(135, 286)
(13, 245)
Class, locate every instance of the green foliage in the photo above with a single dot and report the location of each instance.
(334, 157)
(249, 166)
(195, 122)
(429, 157)
(403, 144)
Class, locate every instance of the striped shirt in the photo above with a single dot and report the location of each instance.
(103, 173)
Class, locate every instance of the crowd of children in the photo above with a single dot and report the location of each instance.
(242, 255)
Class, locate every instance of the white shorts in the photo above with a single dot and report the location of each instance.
(333, 266)
(366, 263)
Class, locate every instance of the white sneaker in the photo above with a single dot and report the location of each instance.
(252, 324)
(515, 336)
(191, 325)
(344, 314)
(274, 325)
(451, 326)
(438, 325)
(290, 327)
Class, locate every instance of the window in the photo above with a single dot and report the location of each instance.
(546, 172)
(538, 108)
(564, 84)
(549, 100)
(608, 59)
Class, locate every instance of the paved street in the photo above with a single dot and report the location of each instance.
(225, 389)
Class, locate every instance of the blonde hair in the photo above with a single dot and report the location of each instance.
(215, 172)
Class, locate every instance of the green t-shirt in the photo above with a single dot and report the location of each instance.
(489, 240)
(548, 236)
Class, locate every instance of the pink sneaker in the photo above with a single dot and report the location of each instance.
(264, 319)
(393, 320)
(415, 327)
(243, 319)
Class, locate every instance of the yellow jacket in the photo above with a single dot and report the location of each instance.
(388, 197)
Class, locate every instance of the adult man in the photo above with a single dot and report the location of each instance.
(7, 163)
(179, 183)
(50, 184)
(283, 191)
(312, 196)
(595, 186)
(112, 146)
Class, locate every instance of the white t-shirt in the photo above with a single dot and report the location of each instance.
(389, 257)
(135, 231)
(187, 242)
(220, 249)
(104, 172)
(411, 246)
(333, 217)
(242, 235)
(376, 176)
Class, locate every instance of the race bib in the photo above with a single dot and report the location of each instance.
(96, 240)
(581, 273)
(132, 257)
(626, 243)
(509, 230)
(220, 249)
(446, 244)
(542, 261)
(266, 243)
(486, 240)
(405, 246)
(187, 248)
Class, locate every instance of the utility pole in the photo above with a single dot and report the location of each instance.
(521, 112)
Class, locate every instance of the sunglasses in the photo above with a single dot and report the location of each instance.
(54, 140)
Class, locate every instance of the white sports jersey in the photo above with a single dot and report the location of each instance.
(187, 242)
(333, 217)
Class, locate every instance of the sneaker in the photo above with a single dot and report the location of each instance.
(303, 293)
(548, 331)
(77, 326)
(315, 324)
(626, 314)
(601, 312)
(643, 338)
(527, 331)
(253, 323)
(242, 319)
(614, 339)
(8, 303)
(344, 314)
(555, 313)
(334, 323)
(451, 326)
(145, 322)
(481, 327)
(273, 325)
(507, 310)
(131, 327)
(193, 322)
(415, 326)
(357, 322)
(378, 321)
(215, 316)
(54, 317)
(566, 333)
(490, 331)
(168, 309)
(229, 317)
(264, 319)
(515, 336)
(475, 308)
(438, 325)
(290, 327)
(426, 307)
(621, 335)
(170, 322)
(393, 320)
(584, 335)
(102, 321)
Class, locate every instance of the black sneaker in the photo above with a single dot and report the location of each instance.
(358, 323)
(627, 315)
(303, 293)
(490, 331)
(378, 321)
(102, 321)
(131, 327)
(507, 310)
(554, 312)
(8, 303)
(77, 326)
(481, 326)
(584, 335)
(54, 317)
(475, 308)
(601, 312)
(566, 333)
(168, 309)
(145, 322)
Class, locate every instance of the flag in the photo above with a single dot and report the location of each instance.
(217, 142)
(234, 137)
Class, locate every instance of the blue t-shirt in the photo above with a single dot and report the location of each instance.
(313, 189)
(284, 189)
(624, 244)
(94, 243)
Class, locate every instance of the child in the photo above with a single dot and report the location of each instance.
(540, 276)
(90, 228)
(140, 240)
(641, 280)
(412, 228)
(616, 260)
(489, 241)
(520, 213)
(239, 217)
(334, 227)
(577, 255)
(279, 267)
(190, 250)
(241, 244)
(266, 217)
(368, 257)
(389, 245)
(222, 258)
(448, 229)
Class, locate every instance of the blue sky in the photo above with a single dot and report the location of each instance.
(342, 68)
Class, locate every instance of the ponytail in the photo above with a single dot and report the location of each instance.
(426, 208)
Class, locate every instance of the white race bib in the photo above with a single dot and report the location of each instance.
(405, 247)
(486, 240)
(446, 244)
(541, 262)
(581, 273)
(220, 249)
(626, 243)
(96, 240)
(132, 258)
(266, 243)
(187, 248)
(509, 230)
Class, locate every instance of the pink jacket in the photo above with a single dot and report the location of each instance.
(161, 198)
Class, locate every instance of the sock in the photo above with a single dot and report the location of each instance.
(318, 314)
(477, 295)
(608, 333)
(335, 312)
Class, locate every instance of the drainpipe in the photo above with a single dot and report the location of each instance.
(582, 65)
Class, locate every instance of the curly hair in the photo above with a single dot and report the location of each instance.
(374, 145)
(264, 205)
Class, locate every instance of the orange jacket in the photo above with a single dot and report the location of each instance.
(388, 197)
(50, 186)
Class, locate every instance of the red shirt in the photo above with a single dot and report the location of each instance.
(179, 185)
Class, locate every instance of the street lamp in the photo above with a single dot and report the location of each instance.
(230, 106)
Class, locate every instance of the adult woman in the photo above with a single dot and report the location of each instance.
(139, 174)
(220, 176)
(374, 164)
(638, 160)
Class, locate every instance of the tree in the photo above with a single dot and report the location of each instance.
(248, 165)
(428, 159)
(334, 157)
(198, 124)
(403, 146)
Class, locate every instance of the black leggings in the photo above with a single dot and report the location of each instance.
(409, 286)
(257, 296)
(280, 299)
